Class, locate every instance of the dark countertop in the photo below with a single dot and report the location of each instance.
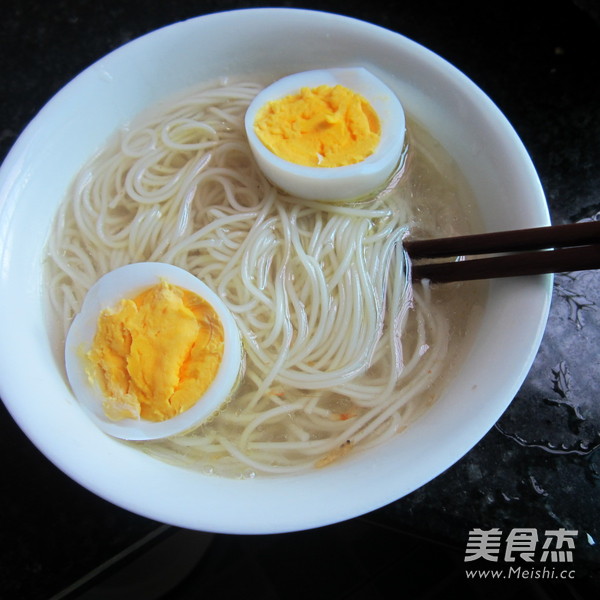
(537, 469)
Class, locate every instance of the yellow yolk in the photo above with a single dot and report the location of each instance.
(319, 127)
(156, 355)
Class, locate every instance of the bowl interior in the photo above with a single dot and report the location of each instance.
(76, 122)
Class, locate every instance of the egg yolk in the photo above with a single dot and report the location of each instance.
(319, 127)
(156, 355)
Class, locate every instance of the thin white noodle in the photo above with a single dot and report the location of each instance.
(321, 292)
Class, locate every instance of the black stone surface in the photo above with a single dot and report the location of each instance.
(538, 468)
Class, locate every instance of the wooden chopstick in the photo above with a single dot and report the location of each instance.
(572, 247)
(535, 238)
(525, 263)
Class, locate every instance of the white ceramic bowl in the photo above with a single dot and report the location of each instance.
(35, 176)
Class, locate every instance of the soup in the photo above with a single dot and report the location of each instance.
(342, 351)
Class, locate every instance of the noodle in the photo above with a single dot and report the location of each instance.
(340, 349)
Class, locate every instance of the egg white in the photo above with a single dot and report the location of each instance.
(333, 183)
(107, 292)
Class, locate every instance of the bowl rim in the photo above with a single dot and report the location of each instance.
(302, 509)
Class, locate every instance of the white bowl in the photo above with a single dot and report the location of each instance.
(75, 123)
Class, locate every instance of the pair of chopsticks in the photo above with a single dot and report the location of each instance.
(552, 249)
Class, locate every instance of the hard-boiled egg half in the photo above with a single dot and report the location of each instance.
(153, 352)
(329, 134)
